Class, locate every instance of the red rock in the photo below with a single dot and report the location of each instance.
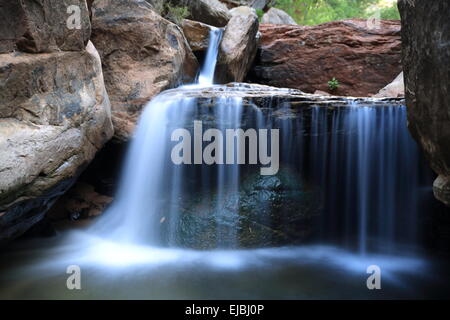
(307, 57)
(142, 54)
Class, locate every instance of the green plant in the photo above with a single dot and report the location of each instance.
(312, 12)
(260, 13)
(176, 14)
(333, 84)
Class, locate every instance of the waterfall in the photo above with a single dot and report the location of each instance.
(206, 76)
(150, 183)
(353, 171)
(371, 174)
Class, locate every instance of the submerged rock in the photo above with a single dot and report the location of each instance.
(277, 16)
(43, 26)
(267, 211)
(362, 59)
(142, 55)
(426, 63)
(54, 117)
(238, 47)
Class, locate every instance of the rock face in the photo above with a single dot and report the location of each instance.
(238, 47)
(197, 34)
(142, 55)
(277, 16)
(54, 117)
(43, 26)
(307, 57)
(395, 89)
(426, 63)
(212, 12)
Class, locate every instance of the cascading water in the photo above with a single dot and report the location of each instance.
(206, 76)
(353, 156)
(349, 191)
(369, 170)
(151, 183)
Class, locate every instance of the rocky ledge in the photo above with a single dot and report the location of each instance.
(262, 93)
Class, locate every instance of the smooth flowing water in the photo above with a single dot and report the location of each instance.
(350, 193)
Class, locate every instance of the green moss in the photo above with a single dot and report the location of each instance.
(175, 14)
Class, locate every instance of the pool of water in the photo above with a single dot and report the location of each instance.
(36, 269)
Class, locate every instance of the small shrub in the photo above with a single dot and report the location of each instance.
(260, 13)
(176, 14)
(333, 84)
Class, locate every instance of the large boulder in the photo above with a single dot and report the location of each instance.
(256, 4)
(142, 54)
(54, 117)
(426, 63)
(238, 47)
(43, 26)
(395, 89)
(212, 12)
(242, 10)
(197, 34)
(277, 16)
(362, 59)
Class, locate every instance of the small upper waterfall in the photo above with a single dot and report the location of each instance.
(206, 76)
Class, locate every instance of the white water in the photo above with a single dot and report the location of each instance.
(206, 77)
(149, 180)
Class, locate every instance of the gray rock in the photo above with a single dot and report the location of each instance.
(245, 10)
(395, 89)
(277, 16)
(54, 117)
(256, 4)
(238, 47)
(426, 65)
(43, 26)
(212, 12)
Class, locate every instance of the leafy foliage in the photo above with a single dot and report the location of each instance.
(260, 13)
(311, 12)
(333, 84)
(176, 14)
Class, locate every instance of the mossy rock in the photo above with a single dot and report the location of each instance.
(266, 211)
